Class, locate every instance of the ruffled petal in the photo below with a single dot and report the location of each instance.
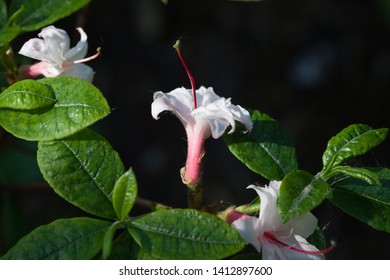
(205, 96)
(178, 101)
(219, 112)
(248, 228)
(242, 115)
(217, 117)
(80, 70)
(80, 50)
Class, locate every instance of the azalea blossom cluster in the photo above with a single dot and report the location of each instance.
(203, 114)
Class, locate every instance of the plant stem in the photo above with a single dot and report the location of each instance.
(146, 203)
(194, 197)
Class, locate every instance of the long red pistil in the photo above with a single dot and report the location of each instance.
(190, 76)
(272, 238)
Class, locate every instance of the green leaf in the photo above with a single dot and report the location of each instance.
(367, 203)
(266, 150)
(317, 239)
(64, 239)
(39, 13)
(3, 13)
(124, 247)
(7, 34)
(82, 169)
(299, 193)
(108, 240)
(27, 95)
(79, 104)
(356, 139)
(124, 194)
(359, 173)
(185, 234)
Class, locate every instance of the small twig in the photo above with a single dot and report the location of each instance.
(146, 203)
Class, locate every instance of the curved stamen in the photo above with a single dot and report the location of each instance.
(98, 51)
(273, 239)
(190, 76)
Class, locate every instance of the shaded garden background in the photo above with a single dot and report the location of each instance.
(314, 65)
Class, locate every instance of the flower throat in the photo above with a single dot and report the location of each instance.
(190, 76)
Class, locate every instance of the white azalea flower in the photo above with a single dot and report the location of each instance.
(211, 117)
(57, 59)
(270, 236)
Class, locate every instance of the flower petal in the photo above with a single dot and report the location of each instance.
(57, 43)
(80, 70)
(35, 48)
(242, 115)
(304, 225)
(248, 228)
(206, 96)
(217, 117)
(269, 215)
(179, 101)
(300, 243)
(80, 50)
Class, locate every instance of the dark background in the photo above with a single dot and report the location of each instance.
(314, 65)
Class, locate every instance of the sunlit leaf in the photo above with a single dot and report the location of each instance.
(266, 150)
(185, 234)
(53, 108)
(299, 193)
(82, 169)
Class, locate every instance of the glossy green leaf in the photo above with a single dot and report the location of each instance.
(368, 203)
(356, 139)
(108, 240)
(78, 105)
(7, 34)
(185, 234)
(359, 173)
(266, 150)
(27, 95)
(64, 239)
(82, 169)
(39, 13)
(124, 194)
(299, 193)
